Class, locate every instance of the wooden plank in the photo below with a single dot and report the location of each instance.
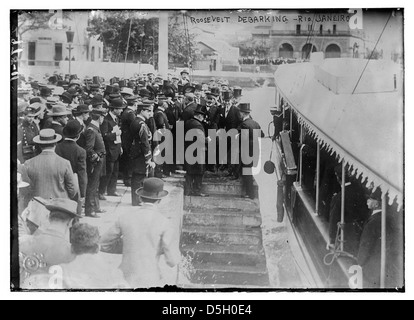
(287, 149)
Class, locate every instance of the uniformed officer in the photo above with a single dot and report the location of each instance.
(140, 152)
(95, 162)
(248, 124)
(127, 118)
(26, 132)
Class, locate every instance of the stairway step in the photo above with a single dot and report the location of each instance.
(235, 219)
(242, 255)
(217, 203)
(221, 235)
(208, 273)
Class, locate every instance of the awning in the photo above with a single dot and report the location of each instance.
(365, 130)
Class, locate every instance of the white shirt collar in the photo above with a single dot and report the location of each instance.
(375, 212)
(70, 139)
(141, 117)
(80, 120)
(95, 123)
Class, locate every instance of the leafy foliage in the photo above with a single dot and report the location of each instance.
(35, 20)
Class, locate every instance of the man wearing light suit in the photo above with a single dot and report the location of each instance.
(49, 175)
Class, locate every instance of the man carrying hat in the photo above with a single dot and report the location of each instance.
(140, 151)
(59, 116)
(95, 162)
(26, 132)
(48, 247)
(71, 151)
(49, 175)
(111, 133)
(146, 235)
(249, 126)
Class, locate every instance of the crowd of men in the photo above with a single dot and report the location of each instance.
(266, 61)
(77, 137)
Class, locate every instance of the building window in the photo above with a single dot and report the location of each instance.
(93, 54)
(298, 26)
(32, 53)
(334, 29)
(58, 52)
(321, 29)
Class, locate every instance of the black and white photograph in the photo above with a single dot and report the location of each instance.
(207, 150)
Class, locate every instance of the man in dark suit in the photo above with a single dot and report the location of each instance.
(161, 123)
(195, 172)
(189, 107)
(95, 161)
(369, 254)
(140, 152)
(111, 133)
(81, 114)
(70, 150)
(249, 126)
(127, 117)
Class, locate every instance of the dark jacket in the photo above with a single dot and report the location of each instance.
(188, 112)
(94, 146)
(197, 168)
(173, 113)
(140, 152)
(369, 255)
(69, 150)
(27, 149)
(58, 127)
(214, 117)
(161, 120)
(233, 119)
(127, 118)
(113, 150)
(249, 125)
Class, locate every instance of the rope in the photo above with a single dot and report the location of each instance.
(372, 53)
(127, 48)
(336, 253)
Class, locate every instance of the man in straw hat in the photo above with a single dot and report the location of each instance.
(49, 175)
(146, 235)
(95, 162)
(48, 247)
(60, 118)
(111, 133)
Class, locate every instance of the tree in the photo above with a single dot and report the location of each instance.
(37, 20)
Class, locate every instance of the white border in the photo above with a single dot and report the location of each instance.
(5, 163)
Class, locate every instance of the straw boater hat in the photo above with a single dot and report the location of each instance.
(47, 136)
(153, 189)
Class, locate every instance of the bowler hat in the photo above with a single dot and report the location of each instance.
(145, 93)
(153, 189)
(198, 87)
(244, 107)
(47, 136)
(63, 205)
(66, 97)
(189, 88)
(59, 110)
(72, 129)
(82, 108)
(97, 100)
(98, 111)
(184, 71)
(45, 91)
(200, 110)
(117, 104)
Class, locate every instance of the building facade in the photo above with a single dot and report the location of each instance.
(297, 34)
(48, 47)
